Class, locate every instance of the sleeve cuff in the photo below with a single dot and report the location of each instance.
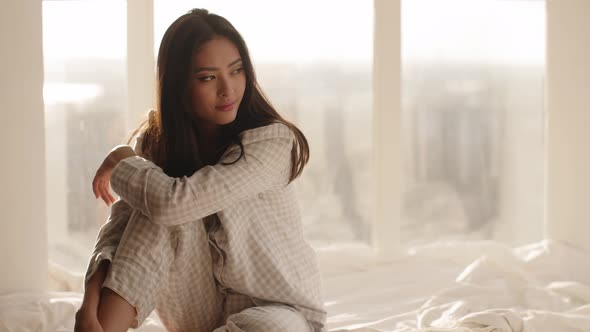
(123, 170)
(106, 253)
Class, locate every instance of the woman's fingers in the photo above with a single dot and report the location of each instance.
(108, 191)
(100, 188)
(95, 186)
(101, 183)
(106, 195)
(101, 193)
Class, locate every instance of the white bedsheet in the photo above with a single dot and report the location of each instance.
(543, 287)
(457, 287)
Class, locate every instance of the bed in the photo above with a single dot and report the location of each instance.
(452, 287)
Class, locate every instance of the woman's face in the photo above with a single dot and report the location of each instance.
(218, 82)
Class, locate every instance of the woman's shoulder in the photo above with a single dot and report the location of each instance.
(270, 144)
(265, 138)
(275, 130)
(140, 133)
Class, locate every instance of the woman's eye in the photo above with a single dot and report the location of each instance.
(237, 71)
(206, 78)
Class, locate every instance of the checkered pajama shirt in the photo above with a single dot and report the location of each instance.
(223, 246)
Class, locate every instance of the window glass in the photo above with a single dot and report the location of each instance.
(472, 101)
(85, 105)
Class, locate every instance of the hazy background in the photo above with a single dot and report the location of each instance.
(472, 102)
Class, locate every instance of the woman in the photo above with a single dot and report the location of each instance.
(207, 230)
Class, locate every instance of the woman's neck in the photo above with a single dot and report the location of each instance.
(208, 133)
(208, 143)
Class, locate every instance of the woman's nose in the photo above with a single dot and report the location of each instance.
(225, 88)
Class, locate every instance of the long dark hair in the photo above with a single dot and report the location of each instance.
(170, 136)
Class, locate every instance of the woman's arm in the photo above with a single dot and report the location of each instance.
(87, 315)
(106, 245)
(101, 182)
(266, 165)
(93, 287)
(102, 178)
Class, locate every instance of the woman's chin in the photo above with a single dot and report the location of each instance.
(227, 119)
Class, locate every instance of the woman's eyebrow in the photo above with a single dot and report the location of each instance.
(200, 69)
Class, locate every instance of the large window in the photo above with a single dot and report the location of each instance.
(85, 101)
(472, 87)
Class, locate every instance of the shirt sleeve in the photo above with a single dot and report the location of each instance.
(165, 200)
(109, 237)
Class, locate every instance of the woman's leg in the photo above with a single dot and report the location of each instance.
(114, 313)
(164, 268)
(139, 266)
(191, 301)
(234, 303)
(274, 317)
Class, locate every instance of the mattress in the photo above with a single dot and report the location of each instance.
(480, 286)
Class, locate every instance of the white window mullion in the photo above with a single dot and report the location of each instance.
(140, 60)
(568, 82)
(23, 240)
(387, 126)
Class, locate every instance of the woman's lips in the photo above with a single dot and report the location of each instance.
(226, 107)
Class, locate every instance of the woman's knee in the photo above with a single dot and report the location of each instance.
(144, 239)
(276, 318)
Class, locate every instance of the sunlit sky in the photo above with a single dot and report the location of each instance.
(302, 31)
(311, 30)
(508, 31)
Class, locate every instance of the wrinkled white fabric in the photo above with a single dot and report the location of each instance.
(452, 287)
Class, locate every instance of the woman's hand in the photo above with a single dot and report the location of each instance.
(86, 321)
(87, 315)
(102, 179)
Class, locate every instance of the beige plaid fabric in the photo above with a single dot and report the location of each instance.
(223, 246)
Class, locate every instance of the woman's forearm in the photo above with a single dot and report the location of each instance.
(93, 287)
